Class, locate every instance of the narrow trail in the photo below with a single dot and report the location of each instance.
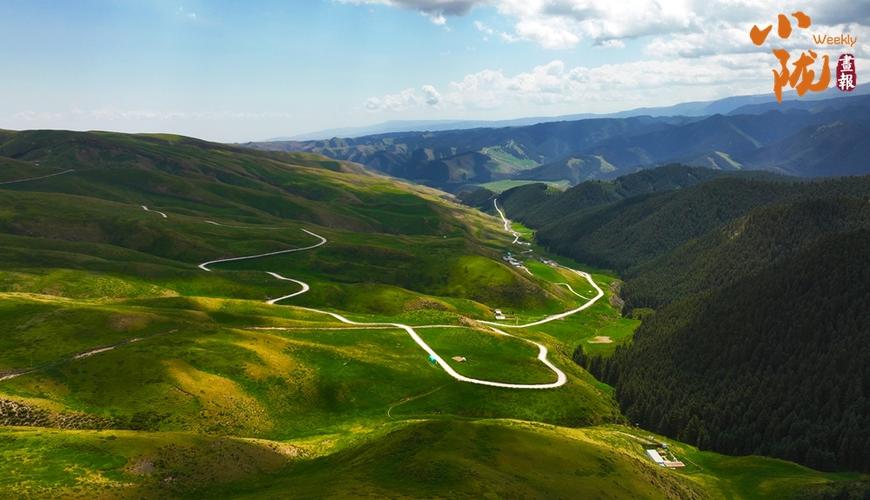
(303, 284)
(323, 241)
(15, 373)
(566, 285)
(507, 223)
(16, 181)
(213, 223)
(409, 399)
(154, 211)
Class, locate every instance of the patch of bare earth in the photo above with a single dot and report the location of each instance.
(600, 340)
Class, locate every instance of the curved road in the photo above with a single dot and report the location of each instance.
(590, 303)
(561, 378)
(507, 223)
(204, 265)
(154, 211)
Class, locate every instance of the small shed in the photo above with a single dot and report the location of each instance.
(654, 455)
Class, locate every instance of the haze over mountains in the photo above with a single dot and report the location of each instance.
(697, 108)
(806, 138)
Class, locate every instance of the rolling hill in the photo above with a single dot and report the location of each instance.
(143, 356)
(813, 138)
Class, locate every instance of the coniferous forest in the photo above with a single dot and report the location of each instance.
(760, 339)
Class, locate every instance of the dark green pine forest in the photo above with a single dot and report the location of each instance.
(754, 292)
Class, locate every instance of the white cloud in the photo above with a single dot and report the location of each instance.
(437, 19)
(692, 50)
(486, 30)
(404, 100)
(561, 24)
(614, 43)
(430, 95)
(558, 24)
(436, 10)
(610, 87)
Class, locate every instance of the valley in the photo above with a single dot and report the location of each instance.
(169, 333)
(730, 303)
(434, 249)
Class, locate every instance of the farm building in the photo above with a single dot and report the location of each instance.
(654, 455)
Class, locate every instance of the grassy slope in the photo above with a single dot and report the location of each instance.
(102, 272)
(446, 458)
(504, 185)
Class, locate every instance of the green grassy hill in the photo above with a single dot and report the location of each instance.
(126, 370)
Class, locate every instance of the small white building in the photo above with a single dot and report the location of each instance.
(654, 455)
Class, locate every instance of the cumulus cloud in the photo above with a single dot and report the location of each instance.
(608, 87)
(431, 96)
(436, 10)
(691, 50)
(701, 23)
(404, 100)
(561, 24)
(558, 24)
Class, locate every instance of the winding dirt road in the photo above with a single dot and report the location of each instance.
(590, 303)
(154, 211)
(507, 223)
(204, 265)
(561, 378)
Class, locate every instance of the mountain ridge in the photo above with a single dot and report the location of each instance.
(606, 148)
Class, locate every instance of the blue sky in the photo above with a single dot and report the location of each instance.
(235, 71)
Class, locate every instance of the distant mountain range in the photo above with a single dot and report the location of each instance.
(807, 138)
(697, 108)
